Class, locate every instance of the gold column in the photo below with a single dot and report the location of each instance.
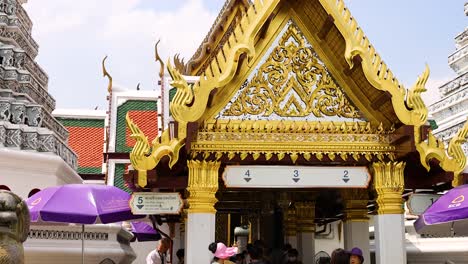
(305, 212)
(355, 204)
(202, 186)
(389, 185)
(290, 223)
(283, 203)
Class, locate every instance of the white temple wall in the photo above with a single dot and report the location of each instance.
(23, 171)
(331, 239)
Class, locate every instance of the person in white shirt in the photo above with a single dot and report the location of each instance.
(158, 256)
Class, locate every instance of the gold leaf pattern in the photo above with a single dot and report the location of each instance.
(280, 155)
(243, 155)
(293, 157)
(319, 156)
(292, 82)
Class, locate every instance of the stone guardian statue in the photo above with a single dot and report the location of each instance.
(14, 227)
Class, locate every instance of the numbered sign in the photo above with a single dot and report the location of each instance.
(418, 202)
(143, 203)
(295, 177)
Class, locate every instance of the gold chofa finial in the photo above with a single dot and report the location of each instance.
(106, 74)
(455, 150)
(158, 58)
(179, 63)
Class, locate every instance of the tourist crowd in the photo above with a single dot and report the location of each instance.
(256, 253)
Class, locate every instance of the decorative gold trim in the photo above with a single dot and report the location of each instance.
(145, 157)
(454, 159)
(158, 59)
(202, 186)
(228, 242)
(355, 205)
(292, 82)
(190, 101)
(283, 126)
(411, 111)
(375, 70)
(106, 74)
(290, 223)
(389, 183)
(455, 151)
(267, 138)
(305, 212)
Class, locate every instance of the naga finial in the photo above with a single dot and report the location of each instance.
(106, 74)
(455, 151)
(158, 58)
(414, 100)
(179, 63)
(146, 156)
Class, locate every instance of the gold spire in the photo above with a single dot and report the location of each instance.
(106, 74)
(158, 58)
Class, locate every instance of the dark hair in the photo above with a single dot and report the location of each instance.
(339, 256)
(254, 251)
(293, 252)
(287, 247)
(212, 247)
(180, 253)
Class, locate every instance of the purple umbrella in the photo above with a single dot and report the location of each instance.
(144, 232)
(447, 216)
(80, 204)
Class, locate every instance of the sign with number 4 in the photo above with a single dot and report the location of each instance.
(295, 177)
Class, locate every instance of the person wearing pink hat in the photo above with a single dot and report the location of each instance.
(221, 253)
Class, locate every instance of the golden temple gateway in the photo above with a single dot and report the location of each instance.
(295, 86)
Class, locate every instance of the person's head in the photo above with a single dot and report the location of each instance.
(180, 254)
(339, 256)
(292, 254)
(255, 252)
(164, 245)
(356, 256)
(286, 247)
(220, 251)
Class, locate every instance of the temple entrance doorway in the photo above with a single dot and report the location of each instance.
(276, 216)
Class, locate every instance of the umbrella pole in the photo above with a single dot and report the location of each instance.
(82, 244)
(452, 231)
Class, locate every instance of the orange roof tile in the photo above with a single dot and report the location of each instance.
(88, 143)
(147, 121)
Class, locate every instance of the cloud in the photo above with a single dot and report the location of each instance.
(75, 36)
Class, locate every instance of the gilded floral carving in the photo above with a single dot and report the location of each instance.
(292, 82)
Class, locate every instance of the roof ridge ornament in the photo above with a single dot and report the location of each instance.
(145, 157)
(410, 111)
(105, 73)
(375, 69)
(158, 59)
(453, 159)
(190, 101)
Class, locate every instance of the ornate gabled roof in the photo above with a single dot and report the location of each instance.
(339, 42)
(227, 18)
(86, 130)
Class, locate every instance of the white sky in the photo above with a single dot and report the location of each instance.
(74, 36)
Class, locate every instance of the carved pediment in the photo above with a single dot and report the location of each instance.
(291, 83)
